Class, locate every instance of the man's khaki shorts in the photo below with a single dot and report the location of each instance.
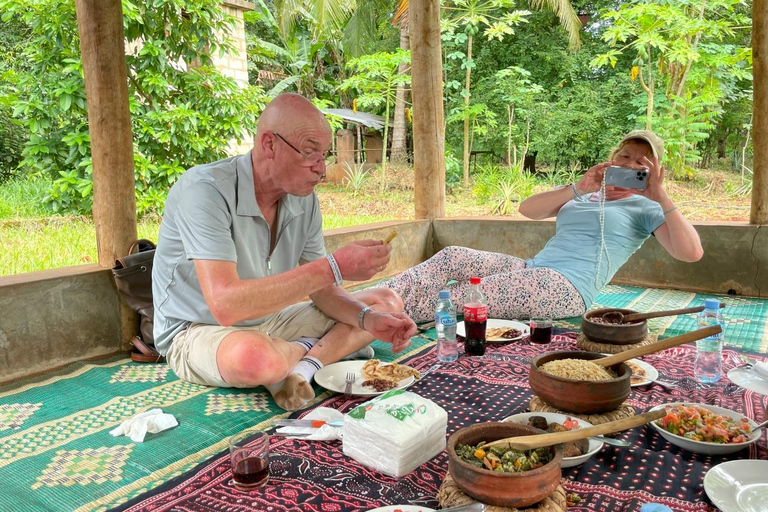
(192, 353)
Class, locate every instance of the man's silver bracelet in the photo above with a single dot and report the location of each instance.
(361, 317)
(335, 269)
(576, 194)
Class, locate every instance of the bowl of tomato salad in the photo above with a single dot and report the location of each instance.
(707, 429)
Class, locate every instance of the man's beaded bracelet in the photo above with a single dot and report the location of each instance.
(361, 317)
(335, 269)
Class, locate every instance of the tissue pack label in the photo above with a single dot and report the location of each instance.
(400, 412)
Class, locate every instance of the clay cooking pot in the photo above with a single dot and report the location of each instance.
(496, 488)
(615, 334)
(579, 396)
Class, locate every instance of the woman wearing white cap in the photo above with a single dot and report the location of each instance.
(598, 228)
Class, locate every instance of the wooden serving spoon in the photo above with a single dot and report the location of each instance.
(617, 317)
(539, 440)
(659, 345)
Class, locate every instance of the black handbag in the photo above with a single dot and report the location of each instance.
(133, 278)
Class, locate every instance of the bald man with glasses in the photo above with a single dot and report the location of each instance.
(241, 245)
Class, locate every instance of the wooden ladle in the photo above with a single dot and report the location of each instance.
(659, 345)
(617, 317)
(539, 440)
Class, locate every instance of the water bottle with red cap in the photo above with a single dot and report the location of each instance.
(475, 319)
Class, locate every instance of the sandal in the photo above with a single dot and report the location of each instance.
(143, 353)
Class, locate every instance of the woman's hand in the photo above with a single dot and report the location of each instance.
(655, 188)
(592, 179)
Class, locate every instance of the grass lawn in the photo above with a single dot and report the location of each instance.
(33, 238)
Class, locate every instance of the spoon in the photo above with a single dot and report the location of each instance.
(611, 441)
(659, 345)
(760, 425)
(539, 440)
(617, 317)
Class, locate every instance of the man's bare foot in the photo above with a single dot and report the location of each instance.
(294, 393)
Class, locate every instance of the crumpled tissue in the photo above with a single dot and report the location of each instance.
(761, 368)
(152, 421)
(324, 433)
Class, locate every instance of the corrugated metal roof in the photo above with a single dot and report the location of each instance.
(369, 120)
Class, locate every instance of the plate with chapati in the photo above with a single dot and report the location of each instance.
(500, 331)
(642, 372)
(372, 377)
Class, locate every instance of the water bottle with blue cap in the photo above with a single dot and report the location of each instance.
(709, 351)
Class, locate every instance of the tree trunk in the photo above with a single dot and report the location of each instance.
(759, 211)
(427, 92)
(510, 120)
(384, 149)
(399, 153)
(466, 114)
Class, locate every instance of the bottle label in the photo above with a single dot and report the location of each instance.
(475, 313)
(446, 319)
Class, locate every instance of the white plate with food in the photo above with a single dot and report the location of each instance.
(593, 447)
(749, 378)
(738, 485)
(402, 508)
(642, 372)
(499, 331)
(385, 376)
(694, 421)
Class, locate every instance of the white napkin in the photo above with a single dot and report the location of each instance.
(324, 433)
(152, 421)
(761, 368)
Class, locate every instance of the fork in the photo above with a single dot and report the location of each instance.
(349, 380)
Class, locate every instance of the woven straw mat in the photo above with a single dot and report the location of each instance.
(585, 343)
(624, 411)
(450, 495)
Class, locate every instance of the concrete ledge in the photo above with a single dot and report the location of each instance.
(735, 254)
(54, 317)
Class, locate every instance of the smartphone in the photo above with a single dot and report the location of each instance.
(626, 178)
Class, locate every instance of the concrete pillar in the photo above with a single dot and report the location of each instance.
(345, 156)
(373, 148)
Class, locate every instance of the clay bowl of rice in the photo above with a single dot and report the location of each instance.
(569, 381)
(529, 482)
(598, 329)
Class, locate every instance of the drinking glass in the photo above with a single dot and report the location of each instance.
(541, 330)
(249, 454)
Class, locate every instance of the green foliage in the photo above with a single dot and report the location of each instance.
(22, 197)
(502, 187)
(181, 117)
(689, 59)
(355, 177)
(452, 170)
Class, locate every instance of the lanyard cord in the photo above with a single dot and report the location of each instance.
(603, 248)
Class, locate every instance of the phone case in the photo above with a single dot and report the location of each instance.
(626, 178)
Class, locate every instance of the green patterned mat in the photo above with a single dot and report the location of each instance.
(57, 453)
(745, 318)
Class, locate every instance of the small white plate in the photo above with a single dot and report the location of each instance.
(651, 373)
(701, 446)
(594, 445)
(749, 379)
(404, 508)
(332, 377)
(738, 485)
(497, 322)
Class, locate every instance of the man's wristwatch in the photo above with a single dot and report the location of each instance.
(361, 317)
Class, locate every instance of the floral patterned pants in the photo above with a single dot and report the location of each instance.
(512, 290)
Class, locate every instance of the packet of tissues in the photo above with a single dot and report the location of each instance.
(395, 433)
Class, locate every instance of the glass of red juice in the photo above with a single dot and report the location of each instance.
(541, 330)
(249, 453)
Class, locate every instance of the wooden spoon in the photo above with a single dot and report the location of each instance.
(659, 345)
(539, 440)
(617, 317)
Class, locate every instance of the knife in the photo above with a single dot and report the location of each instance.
(308, 423)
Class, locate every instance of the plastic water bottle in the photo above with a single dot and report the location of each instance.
(709, 351)
(654, 507)
(445, 324)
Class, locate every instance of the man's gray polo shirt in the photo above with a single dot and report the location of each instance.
(211, 214)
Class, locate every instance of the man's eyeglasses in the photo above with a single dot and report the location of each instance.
(313, 158)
